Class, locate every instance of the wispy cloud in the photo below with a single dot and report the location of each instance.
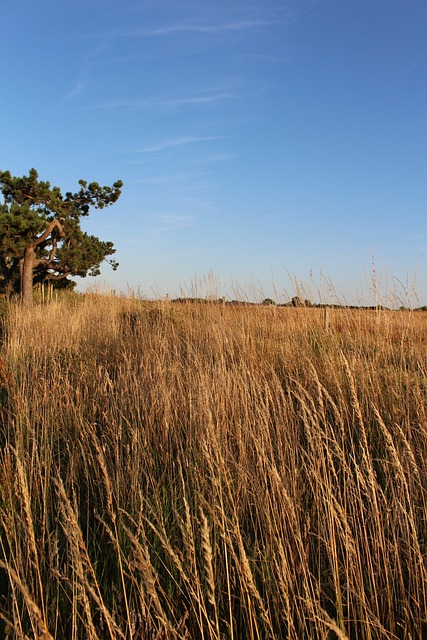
(149, 155)
(204, 28)
(218, 157)
(180, 177)
(174, 220)
(208, 100)
(184, 181)
(189, 27)
(177, 142)
(168, 221)
(78, 87)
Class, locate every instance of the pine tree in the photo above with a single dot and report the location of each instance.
(40, 234)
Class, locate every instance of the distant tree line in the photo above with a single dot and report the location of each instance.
(295, 302)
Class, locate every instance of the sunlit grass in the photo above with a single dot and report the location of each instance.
(212, 471)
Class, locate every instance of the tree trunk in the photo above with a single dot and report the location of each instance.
(27, 270)
(28, 262)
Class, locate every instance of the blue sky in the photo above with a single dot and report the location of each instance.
(259, 143)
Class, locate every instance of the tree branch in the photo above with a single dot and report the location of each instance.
(51, 276)
(51, 226)
(54, 248)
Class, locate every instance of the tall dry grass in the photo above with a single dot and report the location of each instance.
(206, 471)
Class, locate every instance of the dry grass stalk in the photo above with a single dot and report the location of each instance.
(40, 629)
(209, 471)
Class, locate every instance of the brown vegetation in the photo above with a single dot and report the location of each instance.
(210, 471)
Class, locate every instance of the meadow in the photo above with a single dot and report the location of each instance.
(212, 471)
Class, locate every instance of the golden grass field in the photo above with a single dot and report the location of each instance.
(210, 471)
